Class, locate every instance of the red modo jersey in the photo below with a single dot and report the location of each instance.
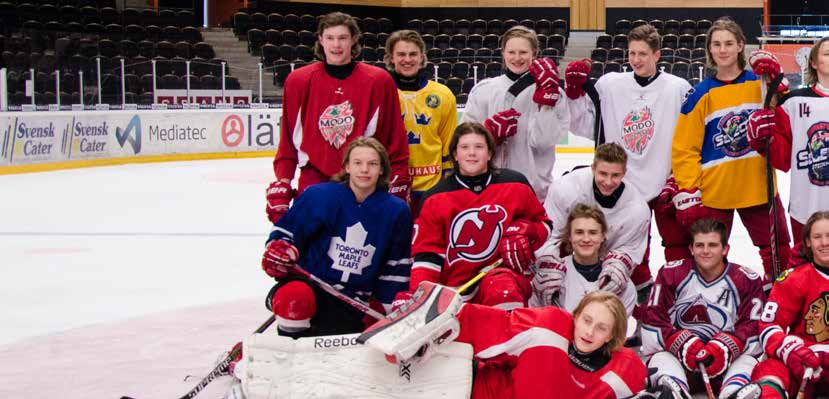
(458, 230)
(322, 114)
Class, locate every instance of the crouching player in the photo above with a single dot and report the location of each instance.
(537, 353)
(703, 311)
(352, 234)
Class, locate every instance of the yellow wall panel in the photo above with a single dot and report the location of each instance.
(684, 4)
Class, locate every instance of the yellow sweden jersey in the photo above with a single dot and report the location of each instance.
(430, 117)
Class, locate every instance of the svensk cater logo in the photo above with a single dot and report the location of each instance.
(124, 136)
(232, 131)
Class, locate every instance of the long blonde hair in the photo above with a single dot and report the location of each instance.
(620, 318)
(811, 73)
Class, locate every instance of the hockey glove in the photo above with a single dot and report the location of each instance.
(614, 275)
(545, 74)
(548, 279)
(689, 209)
(764, 63)
(796, 356)
(575, 76)
(685, 345)
(503, 124)
(719, 353)
(278, 195)
(399, 187)
(279, 257)
(664, 201)
(518, 244)
(760, 129)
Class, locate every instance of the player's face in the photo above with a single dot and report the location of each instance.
(725, 49)
(814, 317)
(818, 241)
(363, 168)
(642, 58)
(472, 154)
(406, 58)
(821, 65)
(586, 237)
(608, 176)
(336, 43)
(594, 327)
(518, 54)
(708, 251)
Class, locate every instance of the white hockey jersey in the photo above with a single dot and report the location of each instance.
(575, 287)
(532, 150)
(640, 119)
(628, 221)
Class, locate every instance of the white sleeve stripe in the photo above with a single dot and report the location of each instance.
(616, 384)
(534, 337)
(301, 156)
(399, 279)
(371, 128)
(406, 261)
(426, 265)
(768, 332)
(283, 231)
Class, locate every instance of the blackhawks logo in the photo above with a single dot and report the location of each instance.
(637, 129)
(336, 123)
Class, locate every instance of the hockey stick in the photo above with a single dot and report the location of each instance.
(355, 302)
(706, 380)
(771, 90)
(807, 375)
(479, 276)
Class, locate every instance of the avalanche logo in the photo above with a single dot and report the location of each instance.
(732, 138)
(637, 130)
(701, 317)
(815, 158)
(336, 123)
(475, 233)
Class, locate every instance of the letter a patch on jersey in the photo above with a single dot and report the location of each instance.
(475, 233)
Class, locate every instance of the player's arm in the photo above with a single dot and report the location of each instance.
(780, 152)
(392, 132)
(285, 161)
(476, 109)
(686, 150)
(549, 125)
(752, 301)
(428, 244)
(631, 373)
(290, 235)
(447, 128)
(618, 264)
(557, 206)
(396, 267)
(583, 108)
(658, 331)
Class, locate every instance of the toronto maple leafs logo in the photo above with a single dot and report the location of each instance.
(475, 233)
(815, 158)
(336, 123)
(351, 255)
(732, 137)
(637, 129)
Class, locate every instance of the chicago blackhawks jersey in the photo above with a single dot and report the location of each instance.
(346, 243)
(576, 286)
(322, 114)
(430, 116)
(682, 299)
(640, 119)
(532, 150)
(458, 228)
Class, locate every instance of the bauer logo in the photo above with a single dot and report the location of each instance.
(475, 233)
(251, 130)
(127, 136)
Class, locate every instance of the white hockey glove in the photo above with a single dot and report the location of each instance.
(614, 276)
(548, 278)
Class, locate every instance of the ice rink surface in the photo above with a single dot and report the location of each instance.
(123, 280)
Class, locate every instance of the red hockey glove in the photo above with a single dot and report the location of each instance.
(575, 76)
(685, 345)
(796, 356)
(515, 247)
(615, 272)
(503, 124)
(548, 278)
(278, 258)
(760, 129)
(664, 202)
(278, 195)
(399, 187)
(689, 209)
(764, 63)
(545, 74)
(719, 353)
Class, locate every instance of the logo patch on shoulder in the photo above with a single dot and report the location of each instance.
(674, 263)
(432, 101)
(783, 275)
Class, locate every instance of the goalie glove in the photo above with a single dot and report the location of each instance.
(719, 353)
(548, 279)
(614, 275)
(685, 345)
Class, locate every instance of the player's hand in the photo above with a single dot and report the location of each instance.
(689, 208)
(719, 352)
(503, 124)
(575, 76)
(685, 345)
(764, 63)
(278, 195)
(796, 356)
(545, 74)
(548, 278)
(614, 275)
(664, 201)
(400, 187)
(278, 258)
(760, 129)
(516, 252)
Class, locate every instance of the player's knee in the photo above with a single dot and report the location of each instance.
(504, 289)
(294, 305)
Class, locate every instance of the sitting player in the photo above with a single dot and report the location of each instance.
(703, 311)
(523, 353)
(474, 217)
(564, 283)
(333, 232)
(798, 304)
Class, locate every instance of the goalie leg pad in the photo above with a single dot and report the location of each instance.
(504, 289)
(294, 304)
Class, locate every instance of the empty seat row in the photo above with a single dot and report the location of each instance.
(242, 22)
(670, 26)
(482, 27)
(666, 54)
(129, 48)
(11, 14)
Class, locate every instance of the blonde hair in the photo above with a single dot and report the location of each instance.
(583, 211)
(385, 164)
(336, 19)
(648, 34)
(522, 32)
(726, 24)
(405, 35)
(611, 153)
(620, 318)
(810, 79)
(805, 250)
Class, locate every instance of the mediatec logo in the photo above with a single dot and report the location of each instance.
(125, 135)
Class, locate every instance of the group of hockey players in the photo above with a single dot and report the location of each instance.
(400, 211)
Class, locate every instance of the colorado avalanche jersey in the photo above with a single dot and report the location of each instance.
(322, 114)
(457, 231)
(640, 119)
(346, 243)
(682, 299)
(576, 286)
(532, 150)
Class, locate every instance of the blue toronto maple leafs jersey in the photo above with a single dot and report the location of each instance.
(363, 249)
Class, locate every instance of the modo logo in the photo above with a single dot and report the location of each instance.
(232, 131)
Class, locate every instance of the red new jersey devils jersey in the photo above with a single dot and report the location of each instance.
(458, 229)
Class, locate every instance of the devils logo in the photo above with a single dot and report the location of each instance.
(475, 233)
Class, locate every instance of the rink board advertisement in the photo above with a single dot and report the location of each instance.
(43, 137)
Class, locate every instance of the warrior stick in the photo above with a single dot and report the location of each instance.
(479, 276)
(355, 302)
(706, 380)
(771, 90)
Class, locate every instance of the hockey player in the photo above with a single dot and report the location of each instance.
(522, 354)
(474, 217)
(627, 214)
(799, 134)
(521, 108)
(564, 283)
(333, 232)
(429, 111)
(794, 325)
(703, 311)
(711, 153)
(328, 104)
(639, 110)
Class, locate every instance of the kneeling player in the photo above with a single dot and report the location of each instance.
(350, 233)
(474, 217)
(703, 311)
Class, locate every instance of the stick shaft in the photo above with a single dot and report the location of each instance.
(355, 302)
(706, 380)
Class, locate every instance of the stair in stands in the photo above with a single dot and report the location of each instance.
(243, 65)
